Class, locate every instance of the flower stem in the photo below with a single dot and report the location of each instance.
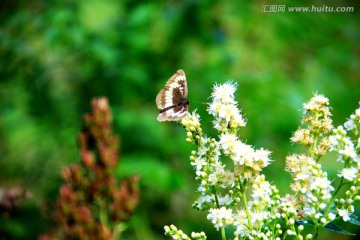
(216, 197)
(316, 232)
(314, 146)
(102, 213)
(118, 229)
(248, 213)
(223, 235)
(327, 210)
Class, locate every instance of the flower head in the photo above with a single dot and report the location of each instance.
(349, 173)
(345, 214)
(223, 108)
(220, 217)
(224, 93)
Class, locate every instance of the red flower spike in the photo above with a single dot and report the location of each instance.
(91, 203)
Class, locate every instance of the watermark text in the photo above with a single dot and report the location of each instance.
(284, 8)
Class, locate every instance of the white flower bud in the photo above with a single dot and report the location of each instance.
(309, 236)
(351, 208)
(322, 205)
(331, 216)
(291, 221)
(290, 233)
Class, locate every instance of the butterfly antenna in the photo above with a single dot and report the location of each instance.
(200, 102)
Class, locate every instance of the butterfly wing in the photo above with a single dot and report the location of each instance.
(178, 83)
(160, 99)
(173, 114)
(169, 97)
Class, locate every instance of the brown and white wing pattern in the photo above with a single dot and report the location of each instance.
(171, 100)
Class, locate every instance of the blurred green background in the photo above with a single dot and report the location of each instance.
(57, 55)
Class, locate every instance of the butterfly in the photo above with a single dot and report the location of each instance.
(171, 100)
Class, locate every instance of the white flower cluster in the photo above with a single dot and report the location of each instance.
(312, 187)
(343, 144)
(243, 154)
(177, 234)
(227, 120)
(316, 103)
(315, 199)
(260, 216)
(220, 217)
(222, 188)
(191, 122)
(237, 195)
(353, 124)
(210, 173)
(347, 148)
(263, 192)
(317, 119)
(224, 109)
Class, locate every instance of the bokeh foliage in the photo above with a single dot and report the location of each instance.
(57, 55)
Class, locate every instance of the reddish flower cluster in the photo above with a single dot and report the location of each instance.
(92, 203)
(9, 199)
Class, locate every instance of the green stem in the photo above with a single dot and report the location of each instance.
(103, 213)
(216, 197)
(316, 232)
(327, 210)
(248, 213)
(313, 149)
(118, 229)
(223, 235)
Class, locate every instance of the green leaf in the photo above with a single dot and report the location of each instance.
(331, 226)
(335, 228)
(308, 222)
(354, 220)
